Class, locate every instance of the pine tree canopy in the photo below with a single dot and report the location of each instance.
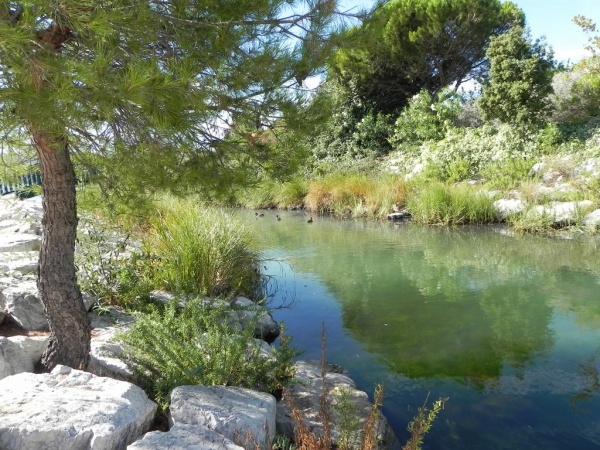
(151, 85)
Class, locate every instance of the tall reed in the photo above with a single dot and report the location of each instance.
(202, 250)
(436, 203)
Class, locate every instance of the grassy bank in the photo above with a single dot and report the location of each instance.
(452, 181)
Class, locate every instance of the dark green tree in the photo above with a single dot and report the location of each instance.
(410, 45)
(520, 81)
(149, 85)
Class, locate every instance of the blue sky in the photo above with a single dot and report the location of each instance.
(553, 18)
(550, 18)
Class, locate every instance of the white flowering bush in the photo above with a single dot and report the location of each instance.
(474, 148)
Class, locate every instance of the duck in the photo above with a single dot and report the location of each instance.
(277, 217)
(310, 220)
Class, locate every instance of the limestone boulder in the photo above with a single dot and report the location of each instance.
(562, 213)
(243, 416)
(247, 313)
(305, 394)
(69, 409)
(19, 242)
(20, 354)
(22, 262)
(184, 437)
(105, 350)
(507, 207)
(22, 305)
(592, 219)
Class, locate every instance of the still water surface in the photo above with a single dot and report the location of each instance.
(507, 327)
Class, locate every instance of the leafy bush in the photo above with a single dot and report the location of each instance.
(506, 174)
(425, 119)
(202, 250)
(440, 204)
(106, 270)
(194, 345)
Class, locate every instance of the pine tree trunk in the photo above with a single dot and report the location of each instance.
(57, 284)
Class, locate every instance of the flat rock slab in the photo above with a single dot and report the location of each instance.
(242, 415)
(184, 437)
(22, 262)
(20, 242)
(69, 409)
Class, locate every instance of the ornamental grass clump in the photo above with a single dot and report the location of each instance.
(356, 195)
(440, 204)
(202, 251)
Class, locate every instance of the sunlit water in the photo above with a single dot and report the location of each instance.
(507, 327)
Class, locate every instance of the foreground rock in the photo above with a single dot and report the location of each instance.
(305, 395)
(241, 415)
(184, 437)
(105, 350)
(71, 410)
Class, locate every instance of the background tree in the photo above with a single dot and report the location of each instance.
(577, 91)
(520, 81)
(411, 45)
(148, 86)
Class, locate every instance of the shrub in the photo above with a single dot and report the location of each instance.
(193, 345)
(506, 174)
(425, 119)
(202, 250)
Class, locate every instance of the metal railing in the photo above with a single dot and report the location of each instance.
(21, 183)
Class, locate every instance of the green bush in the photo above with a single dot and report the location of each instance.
(425, 119)
(440, 204)
(506, 174)
(202, 250)
(194, 345)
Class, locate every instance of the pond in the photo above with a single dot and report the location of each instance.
(507, 327)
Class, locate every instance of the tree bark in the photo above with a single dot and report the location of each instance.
(57, 283)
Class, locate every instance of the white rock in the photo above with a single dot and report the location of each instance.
(104, 355)
(562, 212)
(71, 410)
(20, 354)
(536, 169)
(184, 437)
(508, 207)
(305, 394)
(590, 166)
(19, 242)
(249, 313)
(244, 416)
(22, 262)
(592, 219)
(22, 304)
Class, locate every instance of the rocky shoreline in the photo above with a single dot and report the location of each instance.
(101, 408)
